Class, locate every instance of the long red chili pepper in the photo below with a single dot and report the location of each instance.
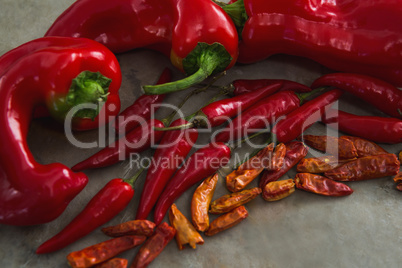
(320, 185)
(378, 93)
(295, 151)
(103, 207)
(242, 86)
(136, 141)
(141, 108)
(261, 114)
(198, 36)
(170, 154)
(203, 163)
(59, 77)
(308, 29)
(374, 128)
(303, 117)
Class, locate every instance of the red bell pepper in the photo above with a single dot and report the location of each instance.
(46, 74)
(198, 36)
(349, 36)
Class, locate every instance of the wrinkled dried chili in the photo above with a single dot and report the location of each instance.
(320, 185)
(227, 221)
(228, 202)
(277, 190)
(135, 227)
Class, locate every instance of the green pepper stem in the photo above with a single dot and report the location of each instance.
(305, 96)
(237, 13)
(134, 178)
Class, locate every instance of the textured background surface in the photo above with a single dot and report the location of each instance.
(303, 230)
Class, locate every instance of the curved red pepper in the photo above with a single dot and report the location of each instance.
(203, 163)
(344, 35)
(141, 108)
(103, 207)
(136, 141)
(321, 185)
(242, 86)
(378, 93)
(198, 36)
(303, 117)
(171, 152)
(31, 193)
(374, 128)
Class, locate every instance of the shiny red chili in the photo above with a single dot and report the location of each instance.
(136, 141)
(141, 109)
(295, 151)
(242, 86)
(384, 96)
(203, 163)
(374, 128)
(303, 117)
(169, 155)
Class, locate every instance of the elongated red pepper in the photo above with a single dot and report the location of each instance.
(320, 185)
(141, 108)
(136, 141)
(170, 154)
(198, 36)
(374, 128)
(242, 86)
(103, 207)
(261, 115)
(295, 151)
(378, 93)
(367, 33)
(302, 118)
(31, 193)
(203, 163)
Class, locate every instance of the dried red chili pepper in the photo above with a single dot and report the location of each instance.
(398, 177)
(113, 263)
(62, 74)
(307, 29)
(261, 115)
(277, 190)
(166, 26)
(242, 86)
(227, 221)
(319, 164)
(378, 93)
(141, 109)
(103, 207)
(154, 245)
(185, 231)
(249, 170)
(295, 151)
(365, 147)
(321, 185)
(103, 251)
(200, 202)
(300, 119)
(374, 128)
(365, 168)
(203, 163)
(134, 227)
(399, 187)
(278, 158)
(343, 148)
(228, 202)
(135, 141)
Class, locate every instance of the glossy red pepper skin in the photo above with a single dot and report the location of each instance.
(368, 34)
(166, 26)
(200, 165)
(141, 108)
(136, 141)
(31, 193)
(242, 86)
(170, 154)
(112, 104)
(103, 207)
(221, 111)
(295, 151)
(374, 128)
(378, 93)
(302, 118)
(259, 115)
(320, 185)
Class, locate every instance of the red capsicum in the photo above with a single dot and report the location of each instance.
(60, 77)
(198, 36)
(344, 35)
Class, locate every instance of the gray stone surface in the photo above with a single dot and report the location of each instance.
(303, 230)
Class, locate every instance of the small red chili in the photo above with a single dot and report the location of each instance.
(320, 185)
